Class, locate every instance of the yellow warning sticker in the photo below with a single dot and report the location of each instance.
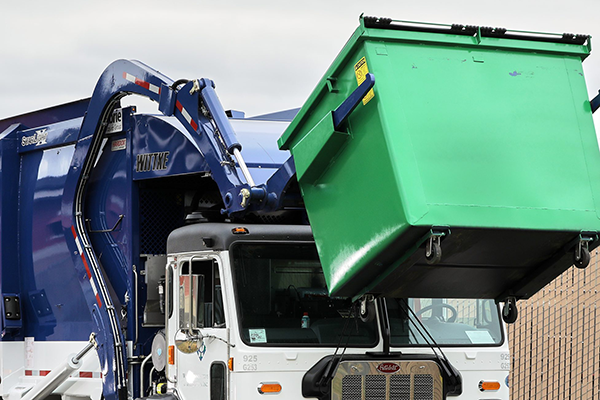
(361, 70)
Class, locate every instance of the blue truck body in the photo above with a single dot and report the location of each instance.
(75, 276)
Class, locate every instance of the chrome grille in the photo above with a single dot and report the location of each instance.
(375, 387)
(423, 387)
(400, 387)
(352, 387)
(398, 380)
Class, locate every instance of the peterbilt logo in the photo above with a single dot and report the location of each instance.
(152, 161)
(388, 368)
(38, 138)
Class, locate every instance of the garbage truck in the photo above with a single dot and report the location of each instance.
(360, 247)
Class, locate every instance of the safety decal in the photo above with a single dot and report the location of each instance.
(29, 351)
(76, 374)
(118, 144)
(139, 82)
(201, 351)
(361, 70)
(87, 268)
(186, 115)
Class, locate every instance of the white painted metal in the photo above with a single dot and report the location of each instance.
(53, 380)
(60, 374)
(46, 356)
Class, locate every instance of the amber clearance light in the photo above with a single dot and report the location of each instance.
(269, 388)
(171, 355)
(485, 386)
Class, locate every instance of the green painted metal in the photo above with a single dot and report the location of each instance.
(490, 137)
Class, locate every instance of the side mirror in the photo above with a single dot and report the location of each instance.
(187, 343)
(191, 302)
(191, 311)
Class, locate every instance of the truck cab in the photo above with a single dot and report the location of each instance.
(252, 318)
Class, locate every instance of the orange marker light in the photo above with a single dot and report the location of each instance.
(240, 231)
(171, 355)
(485, 386)
(230, 364)
(269, 388)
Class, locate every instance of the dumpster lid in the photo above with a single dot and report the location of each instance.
(387, 29)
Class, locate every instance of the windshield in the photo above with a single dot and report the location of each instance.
(462, 322)
(282, 299)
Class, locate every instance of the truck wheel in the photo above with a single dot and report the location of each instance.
(584, 259)
(510, 312)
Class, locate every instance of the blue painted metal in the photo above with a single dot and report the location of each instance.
(119, 79)
(112, 85)
(49, 115)
(210, 99)
(235, 114)
(595, 102)
(156, 135)
(43, 137)
(61, 163)
(166, 100)
(279, 182)
(285, 115)
(341, 114)
(10, 281)
(53, 303)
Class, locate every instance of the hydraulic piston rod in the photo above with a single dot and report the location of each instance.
(58, 375)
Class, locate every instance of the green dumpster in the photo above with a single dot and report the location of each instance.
(470, 170)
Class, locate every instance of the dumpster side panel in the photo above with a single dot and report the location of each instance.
(494, 136)
(589, 141)
(352, 195)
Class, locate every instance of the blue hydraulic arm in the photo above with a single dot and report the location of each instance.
(196, 105)
(341, 114)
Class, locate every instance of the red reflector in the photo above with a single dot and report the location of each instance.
(86, 374)
(44, 373)
(28, 372)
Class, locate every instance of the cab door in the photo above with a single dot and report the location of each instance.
(201, 370)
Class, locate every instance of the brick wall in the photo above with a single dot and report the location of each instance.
(554, 343)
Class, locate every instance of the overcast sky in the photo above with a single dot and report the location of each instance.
(263, 55)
